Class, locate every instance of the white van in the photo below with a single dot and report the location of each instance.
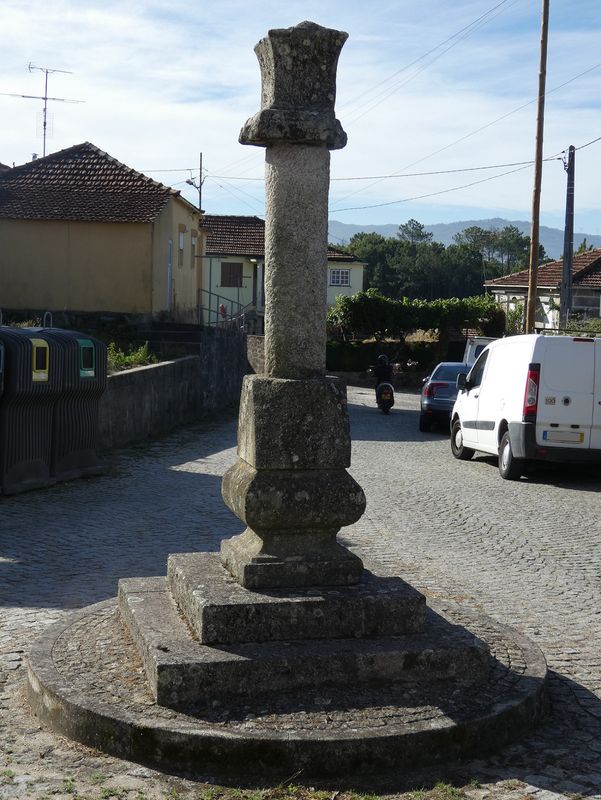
(474, 346)
(531, 398)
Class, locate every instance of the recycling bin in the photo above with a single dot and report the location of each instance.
(33, 381)
(75, 422)
(1, 369)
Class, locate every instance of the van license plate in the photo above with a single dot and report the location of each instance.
(567, 437)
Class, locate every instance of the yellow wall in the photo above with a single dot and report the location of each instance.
(101, 266)
(180, 299)
(78, 266)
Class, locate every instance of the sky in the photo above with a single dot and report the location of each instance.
(424, 86)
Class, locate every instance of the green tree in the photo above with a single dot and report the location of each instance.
(513, 249)
(464, 271)
(503, 250)
(414, 232)
(411, 265)
(373, 249)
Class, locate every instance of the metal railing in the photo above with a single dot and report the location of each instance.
(219, 311)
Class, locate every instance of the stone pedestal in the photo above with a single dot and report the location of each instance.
(290, 485)
(204, 639)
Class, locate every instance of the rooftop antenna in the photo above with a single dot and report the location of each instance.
(44, 97)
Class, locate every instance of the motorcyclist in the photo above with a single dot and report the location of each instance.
(382, 372)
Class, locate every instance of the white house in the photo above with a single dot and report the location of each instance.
(233, 270)
(511, 291)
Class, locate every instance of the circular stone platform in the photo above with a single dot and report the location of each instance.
(86, 681)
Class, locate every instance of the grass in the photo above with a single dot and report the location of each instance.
(119, 360)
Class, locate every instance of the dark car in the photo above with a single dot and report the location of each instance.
(439, 394)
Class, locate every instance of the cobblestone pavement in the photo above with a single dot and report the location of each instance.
(527, 553)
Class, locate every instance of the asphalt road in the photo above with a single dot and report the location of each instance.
(527, 552)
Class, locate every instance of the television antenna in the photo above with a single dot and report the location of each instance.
(47, 71)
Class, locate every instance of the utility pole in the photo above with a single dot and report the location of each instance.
(568, 242)
(538, 171)
(192, 182)
(45, 98)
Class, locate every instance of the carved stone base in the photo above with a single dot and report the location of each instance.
(248, 558)
(290, 486)
(220, 611)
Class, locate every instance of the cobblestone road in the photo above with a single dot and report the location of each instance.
(528, 553)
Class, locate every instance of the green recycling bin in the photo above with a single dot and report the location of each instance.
(75, 422)
(33, 380)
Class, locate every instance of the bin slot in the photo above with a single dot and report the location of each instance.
(87, 359)
(40, 360)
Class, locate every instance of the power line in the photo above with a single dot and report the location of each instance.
(232, 189)
(420, 58)
(482, 128)
(184, 169)
(523, 165)
(582, 146)
(432, 194)
(405, 174)
(388, 92)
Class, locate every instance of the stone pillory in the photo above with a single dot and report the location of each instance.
(282, 655)
(290, 485)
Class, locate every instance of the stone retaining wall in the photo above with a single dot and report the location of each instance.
(147, 401)
(256, 353)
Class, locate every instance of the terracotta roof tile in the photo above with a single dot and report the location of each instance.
(245, 236)
(81, 183)
(586, 271)
(234, 236)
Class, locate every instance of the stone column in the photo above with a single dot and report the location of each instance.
(290, 485)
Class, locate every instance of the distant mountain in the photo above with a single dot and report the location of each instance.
(443, 232)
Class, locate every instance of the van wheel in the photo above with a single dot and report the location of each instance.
(457, 448)
(510, 468)
(425, 423)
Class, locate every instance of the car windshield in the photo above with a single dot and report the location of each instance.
(448, 372)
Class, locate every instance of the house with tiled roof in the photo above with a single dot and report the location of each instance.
(233, 268)
(80, 231)
(511, 291)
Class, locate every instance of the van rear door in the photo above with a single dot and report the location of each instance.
(596, 429)
(565, 397)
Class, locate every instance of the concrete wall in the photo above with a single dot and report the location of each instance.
(148, 401)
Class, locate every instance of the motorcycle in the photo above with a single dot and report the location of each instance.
(385, 397)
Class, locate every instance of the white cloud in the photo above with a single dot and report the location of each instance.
(163, 80)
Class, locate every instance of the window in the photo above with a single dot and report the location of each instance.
(180, 250)
(475, 376)
(193, 242)
(231, 274)
(340, 277)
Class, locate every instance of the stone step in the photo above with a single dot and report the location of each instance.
(220, 611)
(187, 676)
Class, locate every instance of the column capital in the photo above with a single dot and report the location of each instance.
(294, 110)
